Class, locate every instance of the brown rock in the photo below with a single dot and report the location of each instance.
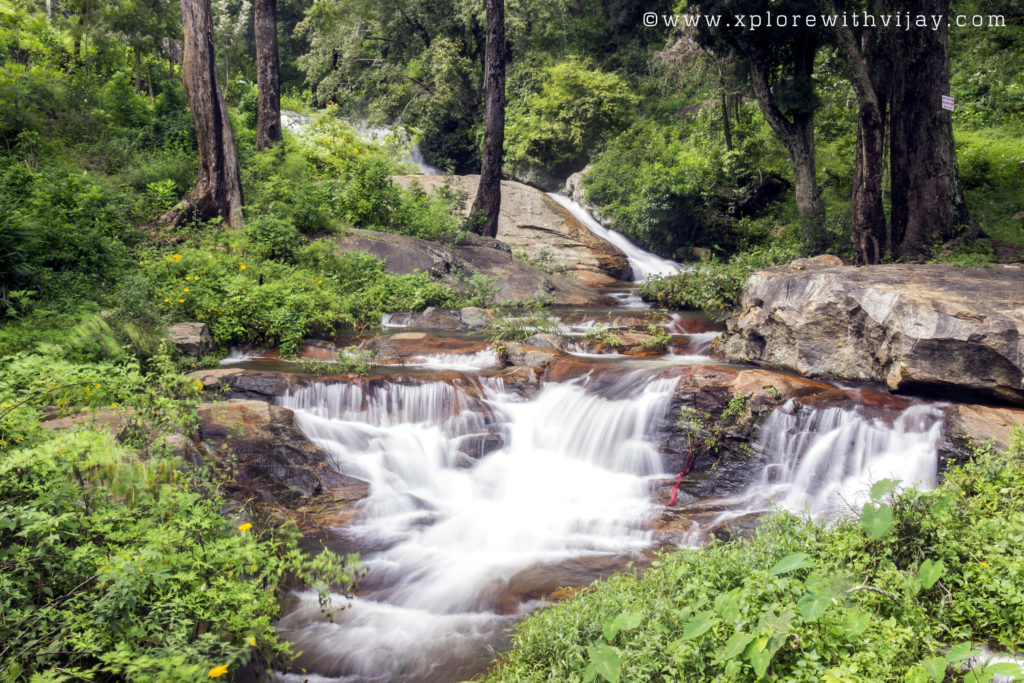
(969, 426)
(954, 332)
(533, 224)
(192, 339)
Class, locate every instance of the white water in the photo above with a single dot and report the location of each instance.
(445, 540)
(643, 263)
(824, 461)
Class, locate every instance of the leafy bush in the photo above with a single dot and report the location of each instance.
(271, 238)
(115, 559)
(899, 595)
(714, 286)
(555, 120)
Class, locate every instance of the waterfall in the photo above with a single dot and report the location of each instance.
(643, 263)
(822, 461)
(453, 552)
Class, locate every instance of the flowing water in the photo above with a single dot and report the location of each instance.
(483, 501)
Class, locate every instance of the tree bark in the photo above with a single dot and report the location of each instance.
(927, 198)
(218, 190)
(868, 60)
(487, 205)
(797, 135)
(268, 108)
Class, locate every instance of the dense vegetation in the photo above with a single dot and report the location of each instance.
(120, 560)
(910, 591)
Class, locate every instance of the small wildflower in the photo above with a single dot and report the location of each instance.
(244, 527)
(241, 266)
(187, 277)
(181, 301)
(97, 386)
(252, 641)
(167, 301)
(186, 290)
(984, 563)
(319, 282)
(218, 671)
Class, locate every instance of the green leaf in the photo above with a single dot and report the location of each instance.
(604, 662)
(1011, 670)
(855, 623)
(623, 622)
(735, 645)
(930, 572)
(917, 674)
(881, 489)
(936, 667)
(699, 625)
(813, 605)
(791, 563)
(760, 659)
(960, 652)
(877, 521)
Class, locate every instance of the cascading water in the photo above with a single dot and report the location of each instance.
(449, 547)
(823, 461)
(643, 263)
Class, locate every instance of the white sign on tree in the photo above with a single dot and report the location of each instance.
(948, 103)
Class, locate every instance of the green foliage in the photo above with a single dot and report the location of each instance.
(993, 180)
(713, 286)
(559, 115)
(798, 601)
(351, 360)
(244, 301)
(115, 559)
(601, 333)
(518, 323)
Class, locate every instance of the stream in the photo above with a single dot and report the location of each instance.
(484, 501)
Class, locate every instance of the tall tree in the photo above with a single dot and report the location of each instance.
(781, 65)
(868, 55)
(218, 190)
(268, 80)
(488, 196)
(927, 198)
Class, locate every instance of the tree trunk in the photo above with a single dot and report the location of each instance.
(268, 109)
(927, 199)
(485, 209)
(218, 190)
(797, 135)
(868, 58)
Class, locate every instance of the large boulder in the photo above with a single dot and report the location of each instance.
(274, 462)
(517, 281)
(952, 332)
(192, 339)
(536, 226)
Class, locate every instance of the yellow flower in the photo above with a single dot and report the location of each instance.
(97, 386)
(241, 266)
(244, 527)
(252, 640)
(319, 282)
(181, 301)
(167, 301)
(984, 564)
(186, 290)
(195, 277)
(188, 277)
(218, 671)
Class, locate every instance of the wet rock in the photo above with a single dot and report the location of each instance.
(517, 282)
(547, 341)
(529, 356)
(474, 318)
(405, 345)
(110, 420)
(952, 332)
(536, 226)
(971, 426)
(242, 383)
(274, 462)
(191, 339)
(522, 380)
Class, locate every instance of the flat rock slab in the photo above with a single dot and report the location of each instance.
(535, 225)
(954, 333)
(517, 281)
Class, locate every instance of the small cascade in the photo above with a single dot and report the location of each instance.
(823, 461)
(447, 545)
(643, 263)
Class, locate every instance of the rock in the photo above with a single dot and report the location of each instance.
(517, 282)
(110, 420)
(274, 462)
(547, 341)
(192, 339)
(822, 261)
(242, 383)
(574, 186)
(533, 224)
(437, 319)
(414, 344)
(953, 332)
(523, 355)
(970, 426)
(1019, 217)
(474, 318)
